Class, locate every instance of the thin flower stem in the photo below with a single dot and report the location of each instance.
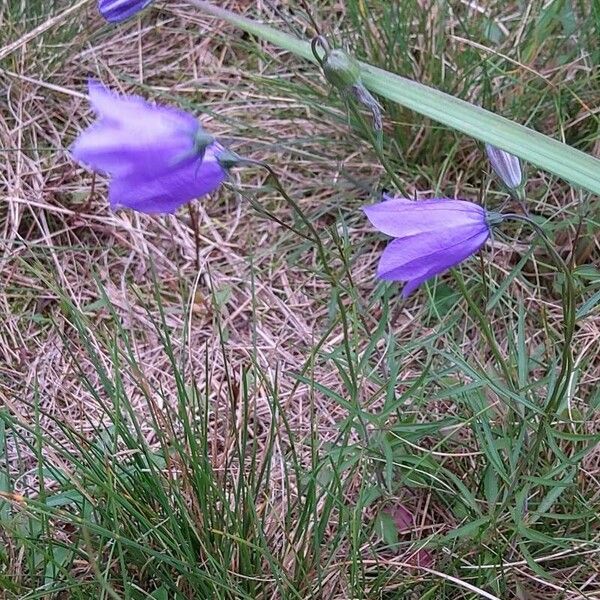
(262, 211)
(484, 278)
(486, 330)
(296, 208)
(322, 256)
(569, 314)
(378, 151)
(561, 386)
(336, 285)
(519, 196)
(576, 239)
(194, 220)
(334, 280)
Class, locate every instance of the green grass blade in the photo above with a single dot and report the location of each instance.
(536, 148)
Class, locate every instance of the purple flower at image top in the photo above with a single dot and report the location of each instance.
(159, 158)
(430, 236)
(506, 166)
(115, 11)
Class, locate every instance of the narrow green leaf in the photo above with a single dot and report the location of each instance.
(506, 281)
(569, 163)
(469, 530)
(551, 497)
(386, 528)
(541, 538)
(490, 486)
(588, 306)
(533, 565)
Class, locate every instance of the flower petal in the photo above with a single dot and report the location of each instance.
(119, 10)
(134, 112)
(417, 259)
(415, 254)
(133, 136)
(107, 149)
(167, 191)
(400, 217)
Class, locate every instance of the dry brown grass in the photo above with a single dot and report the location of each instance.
(57, 224)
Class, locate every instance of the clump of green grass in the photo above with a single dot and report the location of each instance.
(278, 424)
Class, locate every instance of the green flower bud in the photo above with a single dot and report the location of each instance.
(341, 70)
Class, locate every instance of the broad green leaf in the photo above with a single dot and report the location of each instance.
(536, 148)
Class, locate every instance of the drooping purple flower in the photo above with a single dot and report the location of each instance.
(159, 158)
(506, 166)
(115, 11)
(430, 236)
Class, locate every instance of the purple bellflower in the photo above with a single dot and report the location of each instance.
(506, 166)
(430, 236)
(159, 158)
(115, 11)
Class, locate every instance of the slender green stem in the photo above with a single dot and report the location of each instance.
(569, 320)
(378, 151)
(334, 280)
(484, 324)
(569, 314)
(518, 195)
(194, 221)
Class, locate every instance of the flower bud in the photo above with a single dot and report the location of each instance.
(506, 166)
(341, 69)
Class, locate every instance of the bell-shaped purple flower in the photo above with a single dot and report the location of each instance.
(430, 236)
(115, 11)
(159, 158)
(506, 166)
